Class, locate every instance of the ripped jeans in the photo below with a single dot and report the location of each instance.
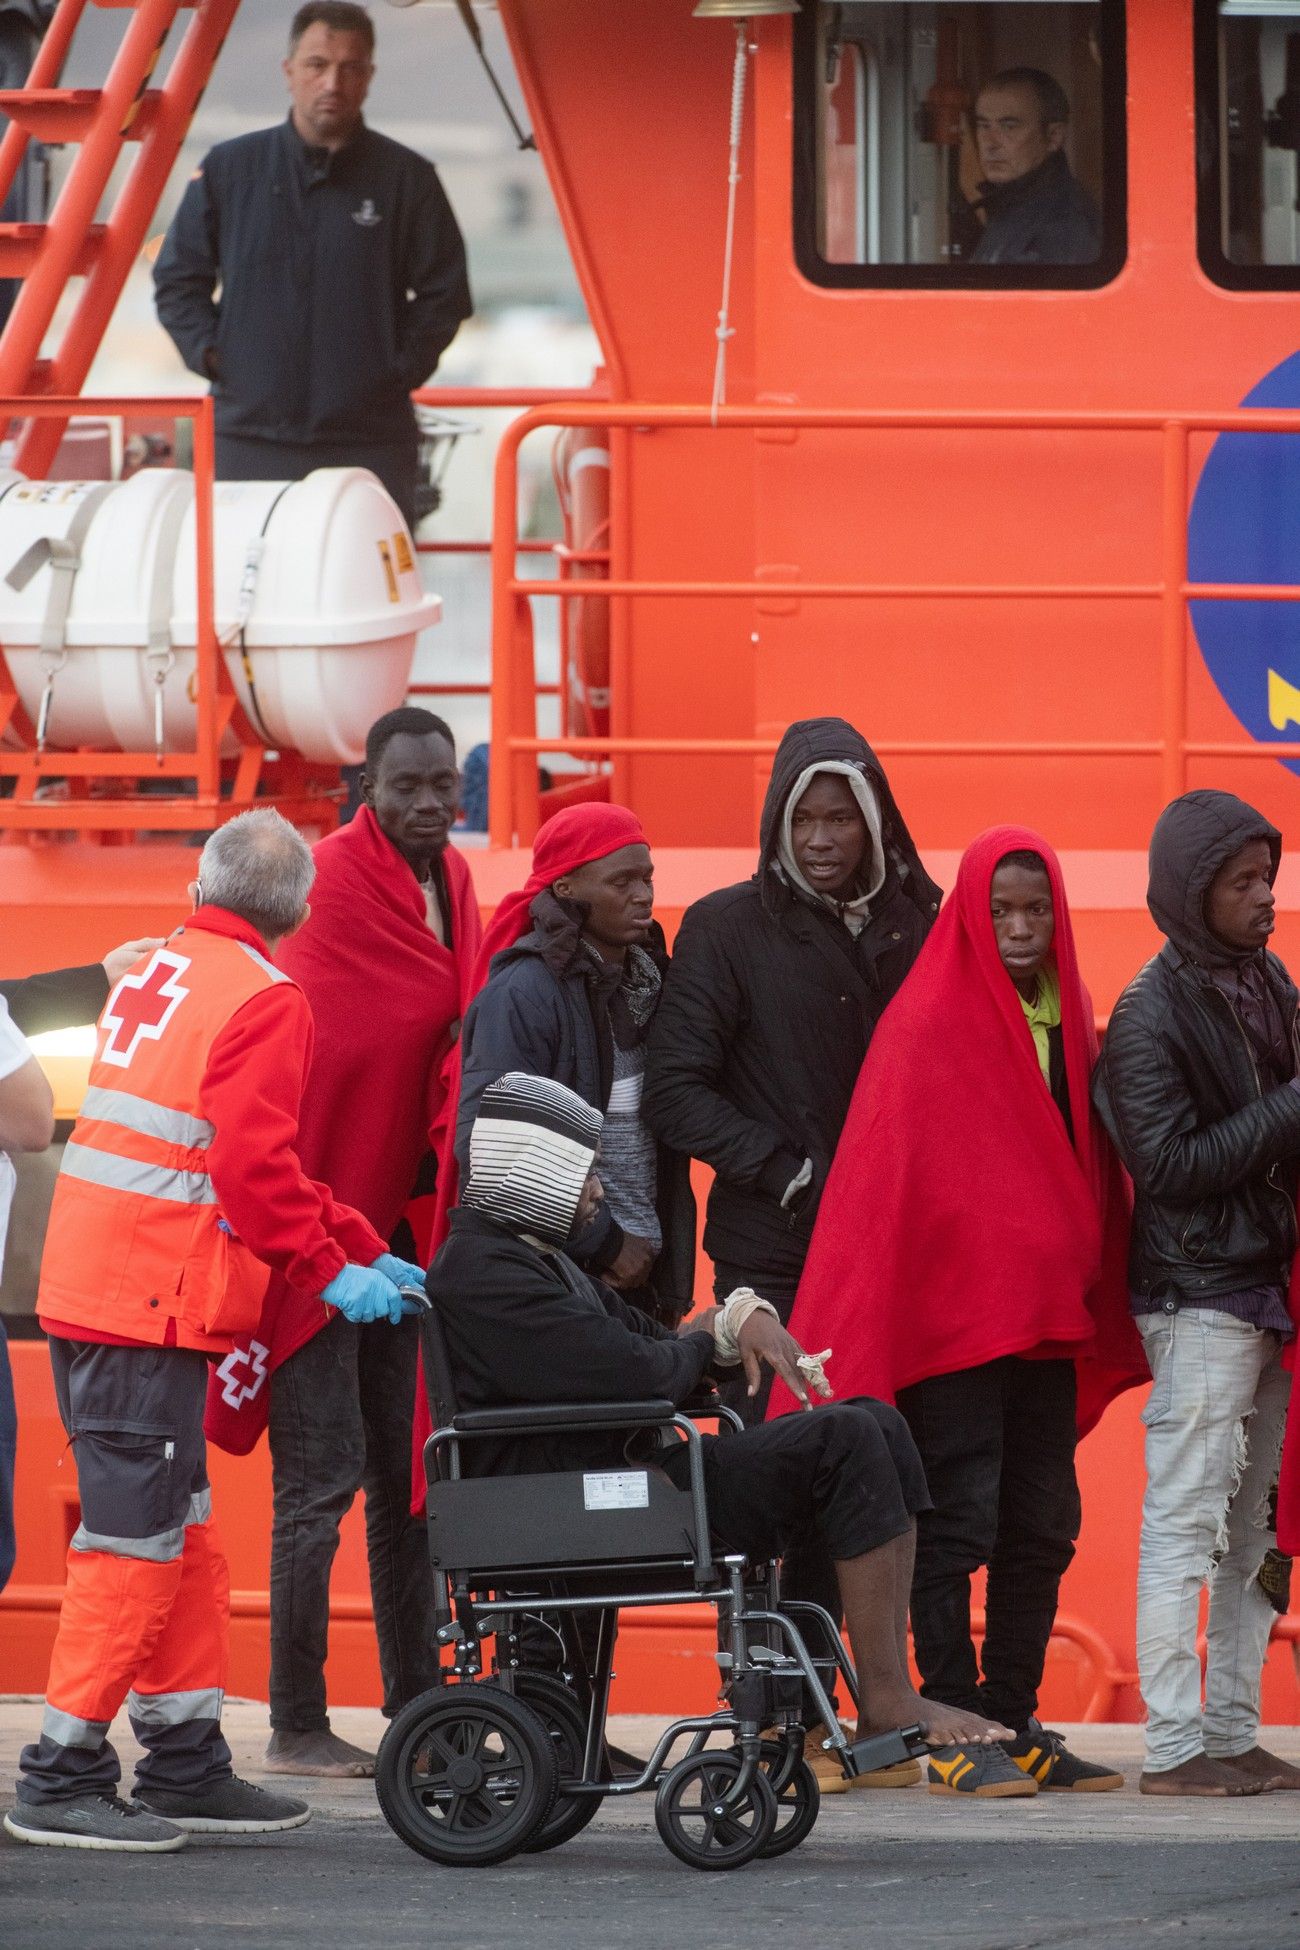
(1214, 1423)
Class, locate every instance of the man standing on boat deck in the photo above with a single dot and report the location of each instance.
(1199, 1089)
(179, 1188)
(384, 960)
(341, 270)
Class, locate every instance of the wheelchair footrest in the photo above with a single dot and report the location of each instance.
(882, 1750)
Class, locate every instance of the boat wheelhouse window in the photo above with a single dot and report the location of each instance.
(1248, 142)
(960, 143)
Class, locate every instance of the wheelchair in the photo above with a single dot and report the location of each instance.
(492, 1763)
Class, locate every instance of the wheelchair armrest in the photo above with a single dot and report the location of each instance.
(525, 1416)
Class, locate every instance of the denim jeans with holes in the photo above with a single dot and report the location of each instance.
(1214, 1423)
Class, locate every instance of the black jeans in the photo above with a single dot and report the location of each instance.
(341, 1415)
(998, 1446)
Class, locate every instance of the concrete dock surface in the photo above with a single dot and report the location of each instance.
(902, 1869)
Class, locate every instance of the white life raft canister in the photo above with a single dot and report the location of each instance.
(317, 594)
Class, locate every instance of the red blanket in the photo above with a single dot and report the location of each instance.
(958, 1223)
(384, 995)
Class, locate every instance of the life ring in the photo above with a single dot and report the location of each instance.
(581, 467)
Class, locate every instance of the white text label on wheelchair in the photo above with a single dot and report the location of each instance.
(616, 1489)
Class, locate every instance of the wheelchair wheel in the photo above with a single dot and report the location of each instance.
(686, 1817)
(466, 1775)
(566, 1723)
(798, 1800)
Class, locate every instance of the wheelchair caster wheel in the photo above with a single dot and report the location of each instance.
(466, 1775)
(566, 1725)
(698, 1828)
(798, 1800)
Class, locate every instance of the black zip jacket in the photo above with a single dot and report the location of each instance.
(545, 1010)
(65, 998)
(1212, 1150)
(766, 1015)
(1045, 217)
(342, 283)
(522, 1323)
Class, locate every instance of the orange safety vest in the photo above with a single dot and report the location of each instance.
(136, 1238)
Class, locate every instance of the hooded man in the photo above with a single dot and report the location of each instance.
(968, 1262)
(1197, 1085)
(524, 1324)
(774, 990)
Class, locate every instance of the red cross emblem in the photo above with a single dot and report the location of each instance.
(141, 1006)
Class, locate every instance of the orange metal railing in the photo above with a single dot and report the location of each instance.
(513, 805)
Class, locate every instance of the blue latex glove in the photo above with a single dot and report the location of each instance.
(361, 1294)
(402, 1272)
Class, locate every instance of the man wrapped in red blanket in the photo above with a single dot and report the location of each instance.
(385, 961)
(969, 1263)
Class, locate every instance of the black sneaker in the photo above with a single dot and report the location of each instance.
(229, 1808)
(988, 1772)
(1042, 1753)
(93, 1821)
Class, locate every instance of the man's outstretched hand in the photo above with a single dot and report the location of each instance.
(762, 1338)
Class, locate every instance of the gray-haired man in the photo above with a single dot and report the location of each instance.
(179, 1188)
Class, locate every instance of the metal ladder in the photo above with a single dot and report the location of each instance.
(73, 243)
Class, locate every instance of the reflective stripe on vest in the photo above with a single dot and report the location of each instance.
(129, 1175)
(148, 1118)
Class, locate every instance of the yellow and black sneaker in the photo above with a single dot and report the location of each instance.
(1043, 1755)
(988, 1772)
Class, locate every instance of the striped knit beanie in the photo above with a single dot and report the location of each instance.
(530, 1151)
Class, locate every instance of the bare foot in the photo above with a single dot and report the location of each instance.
(943, 1726)
(1274, 1776)
(1202, 1777)
(323, 1755)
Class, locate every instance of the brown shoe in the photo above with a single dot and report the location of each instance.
(831, 1778)
(1274, 1776)
(1199, 1776)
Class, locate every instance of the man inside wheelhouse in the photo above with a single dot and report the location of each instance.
(1035, 209)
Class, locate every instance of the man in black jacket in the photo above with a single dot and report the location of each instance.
(523, 1323)
(1035, 209)
(774, 989)
(341, 270)
(1197, 1085)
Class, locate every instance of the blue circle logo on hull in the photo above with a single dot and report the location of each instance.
(1245, 527)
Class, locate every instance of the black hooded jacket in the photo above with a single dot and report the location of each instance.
(545, 1010)
(766, 1015)
(1212, 1151)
